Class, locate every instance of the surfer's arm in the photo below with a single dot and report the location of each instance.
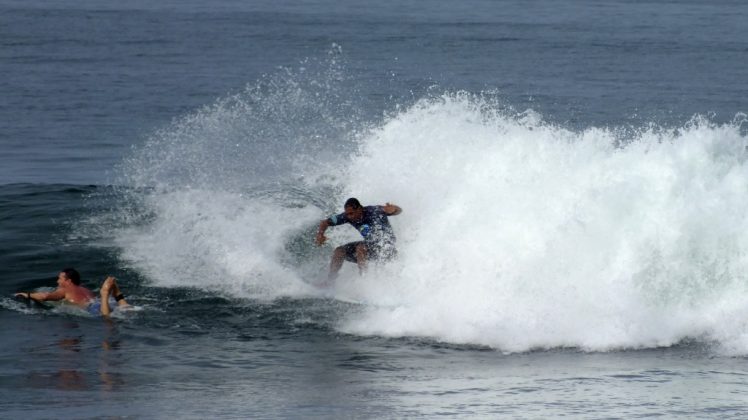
(391, 209)
(42, 296)
(323, 225)
(334, 220)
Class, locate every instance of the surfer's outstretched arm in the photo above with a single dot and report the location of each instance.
(42, 296)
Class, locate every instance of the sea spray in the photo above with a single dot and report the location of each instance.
(281, 128)
(219, 198)
(516, 233)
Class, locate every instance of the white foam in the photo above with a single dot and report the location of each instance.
(215, 240)
(515, 233)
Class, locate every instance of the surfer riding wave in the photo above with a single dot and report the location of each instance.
(379, 239)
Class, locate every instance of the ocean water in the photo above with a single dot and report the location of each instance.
(573, 180)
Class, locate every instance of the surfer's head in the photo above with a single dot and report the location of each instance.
(70, 274)
(353, 209)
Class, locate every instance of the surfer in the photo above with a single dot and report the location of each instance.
(374, 227)
(70, 290)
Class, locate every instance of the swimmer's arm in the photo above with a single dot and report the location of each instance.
(391, 209)
(42, 296)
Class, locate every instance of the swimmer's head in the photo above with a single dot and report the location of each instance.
(72, 274)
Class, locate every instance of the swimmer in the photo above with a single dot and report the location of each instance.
(70, 291)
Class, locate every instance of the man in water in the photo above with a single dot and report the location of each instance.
(70, 290)
(375, 228)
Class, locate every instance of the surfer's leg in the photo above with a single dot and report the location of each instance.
(338, 256)
(361, 257)
(347, 252)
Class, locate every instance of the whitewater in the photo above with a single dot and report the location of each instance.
(517, 233)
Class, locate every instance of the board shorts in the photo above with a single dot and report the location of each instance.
(374, 253)
(94, 308)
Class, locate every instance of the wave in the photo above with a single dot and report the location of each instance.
(516, 233)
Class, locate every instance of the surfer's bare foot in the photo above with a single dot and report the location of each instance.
(107, 286)
(117, 294)
(110, 288)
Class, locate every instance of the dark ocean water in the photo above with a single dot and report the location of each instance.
(573, 178)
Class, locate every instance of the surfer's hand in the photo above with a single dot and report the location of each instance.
(321, 238)
(391, 209)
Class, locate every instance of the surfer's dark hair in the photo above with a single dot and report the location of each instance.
(352, 203)
(73, 275)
